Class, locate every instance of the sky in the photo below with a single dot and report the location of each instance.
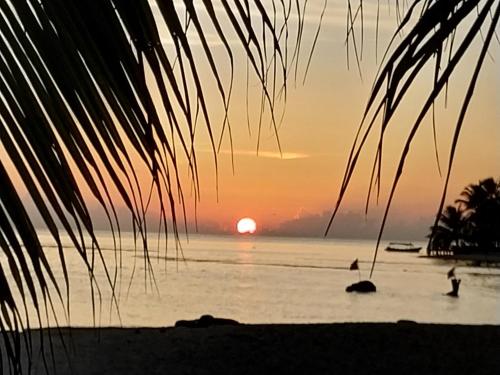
(292, 191)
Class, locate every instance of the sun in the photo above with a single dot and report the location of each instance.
(246, 225)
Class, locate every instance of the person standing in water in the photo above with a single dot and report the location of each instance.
(455, 283)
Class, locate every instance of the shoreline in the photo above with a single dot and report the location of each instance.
(489, 259)
(375, 348)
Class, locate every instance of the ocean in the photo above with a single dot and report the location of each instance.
(256, 279)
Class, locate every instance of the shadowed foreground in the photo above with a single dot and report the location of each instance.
(405, 348)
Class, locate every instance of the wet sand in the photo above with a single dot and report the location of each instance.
(349, 348)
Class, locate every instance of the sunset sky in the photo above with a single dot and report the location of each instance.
(294, 192)
(298, 189)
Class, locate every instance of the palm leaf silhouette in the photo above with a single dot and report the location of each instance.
(433, 30)
(78, 114)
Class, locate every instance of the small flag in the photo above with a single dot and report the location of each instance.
(451, 273)
(354, 265)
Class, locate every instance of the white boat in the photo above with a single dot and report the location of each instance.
(404, 247)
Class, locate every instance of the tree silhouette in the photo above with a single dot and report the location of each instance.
(450, 230)
(474, 224)
(482, 212)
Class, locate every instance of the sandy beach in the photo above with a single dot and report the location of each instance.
(348, 348)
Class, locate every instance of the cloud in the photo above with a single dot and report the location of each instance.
(262, 154)
(352, 225)
(268, 154)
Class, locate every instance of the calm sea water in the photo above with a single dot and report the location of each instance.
(272, 280)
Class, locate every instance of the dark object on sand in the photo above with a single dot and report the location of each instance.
(206, 321)
(364, 286)
(455, 284)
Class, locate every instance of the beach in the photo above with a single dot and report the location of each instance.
(342, 348)
(297, 318)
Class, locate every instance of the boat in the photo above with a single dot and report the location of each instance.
(403, 247)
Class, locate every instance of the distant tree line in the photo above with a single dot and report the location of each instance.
(472, 224)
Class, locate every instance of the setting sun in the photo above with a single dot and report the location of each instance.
(246, 225)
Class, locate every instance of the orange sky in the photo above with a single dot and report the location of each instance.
(318, 128)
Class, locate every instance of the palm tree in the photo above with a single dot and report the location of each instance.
(75, 102)
(476, 195)
(473, 224)
(449, 232)
(481, 203)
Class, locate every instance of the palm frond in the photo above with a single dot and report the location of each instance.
(426, 37)
(78, 114)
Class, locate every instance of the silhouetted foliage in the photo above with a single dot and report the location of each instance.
(434, 35)
(473, 224)
(90, 93)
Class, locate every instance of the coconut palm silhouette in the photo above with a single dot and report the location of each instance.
(481, 204)
(471, 225)
(450, 230)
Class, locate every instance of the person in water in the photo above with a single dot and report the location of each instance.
(455, 283)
